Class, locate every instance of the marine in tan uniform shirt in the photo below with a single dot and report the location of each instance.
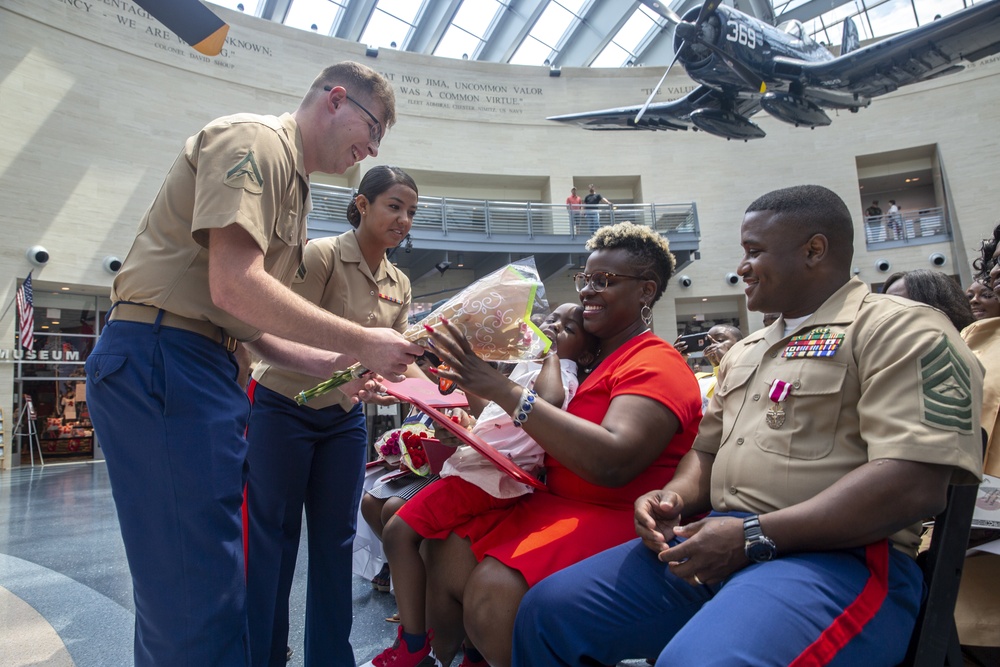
(259, 158)
(210, 265)
(338, 279)
(843, 410)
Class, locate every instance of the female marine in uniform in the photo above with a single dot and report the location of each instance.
(313, 455)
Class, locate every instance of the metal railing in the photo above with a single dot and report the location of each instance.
(447, 215)
(928, 225)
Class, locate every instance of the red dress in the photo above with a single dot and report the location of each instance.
(545, 532)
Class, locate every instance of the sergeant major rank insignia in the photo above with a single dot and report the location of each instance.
(246, 175)
(946, 386)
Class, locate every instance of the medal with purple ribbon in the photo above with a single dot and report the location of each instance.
(775, 416)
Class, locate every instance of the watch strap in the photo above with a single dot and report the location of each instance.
(751, 527)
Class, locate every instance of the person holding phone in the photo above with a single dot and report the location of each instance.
(714, 346)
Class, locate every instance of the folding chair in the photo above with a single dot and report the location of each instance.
(935, 638)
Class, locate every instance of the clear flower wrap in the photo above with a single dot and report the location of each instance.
(494, 314)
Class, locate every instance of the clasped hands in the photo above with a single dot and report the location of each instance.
(713, 547)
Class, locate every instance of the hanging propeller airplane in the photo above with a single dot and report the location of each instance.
(744, 65)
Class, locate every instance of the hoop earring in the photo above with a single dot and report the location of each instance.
(646, 313)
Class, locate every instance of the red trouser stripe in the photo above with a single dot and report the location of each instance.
(245, 510)
(852, 620)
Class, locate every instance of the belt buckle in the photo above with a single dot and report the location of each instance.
(230, 343)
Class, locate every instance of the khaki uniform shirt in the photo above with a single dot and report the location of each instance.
(243, 169)
(983, 338)
(338, 279)
(901, 384)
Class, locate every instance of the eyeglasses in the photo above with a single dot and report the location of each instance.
(374, 131)
(598, 280)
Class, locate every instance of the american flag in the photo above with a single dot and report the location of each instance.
(26, 313)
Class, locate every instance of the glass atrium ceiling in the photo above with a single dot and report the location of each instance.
(567, 33)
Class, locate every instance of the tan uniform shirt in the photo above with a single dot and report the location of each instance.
(983, 338)
(338, 279)
(242, 169)
(901, 384)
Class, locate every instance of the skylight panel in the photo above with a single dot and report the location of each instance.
(928, 9)
(532, 52)
(317, 15)
(251, 7)
(476, 16)
(385, 30)
(622, 47)
(467, 33)
(548, 31)
(892, 17)
(405, 10)
(457, 43)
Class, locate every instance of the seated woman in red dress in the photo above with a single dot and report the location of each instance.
(634, 416)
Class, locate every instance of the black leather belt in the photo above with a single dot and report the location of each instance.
(137, 312)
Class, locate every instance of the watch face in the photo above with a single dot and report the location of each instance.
(760, 549)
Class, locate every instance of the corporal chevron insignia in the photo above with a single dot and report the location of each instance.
(246, 175)
(946, 386)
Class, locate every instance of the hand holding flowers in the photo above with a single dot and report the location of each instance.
(493, 315)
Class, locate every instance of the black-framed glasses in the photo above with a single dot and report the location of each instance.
(375, 130)
(598, 280)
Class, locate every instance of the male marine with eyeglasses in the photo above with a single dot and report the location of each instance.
(209, 270)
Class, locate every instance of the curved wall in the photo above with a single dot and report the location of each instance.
(96, 100)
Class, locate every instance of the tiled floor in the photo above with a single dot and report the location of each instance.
(65, 590)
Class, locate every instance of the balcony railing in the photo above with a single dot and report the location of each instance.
(928, 225)
(446, 215)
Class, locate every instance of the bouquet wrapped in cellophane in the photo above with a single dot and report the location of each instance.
(494, 314)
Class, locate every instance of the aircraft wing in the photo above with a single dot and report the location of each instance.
(675, 115)
(190, 20)
(932, 50)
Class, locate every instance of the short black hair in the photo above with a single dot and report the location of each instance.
(650, 252)
(815, 210)
(729, 329)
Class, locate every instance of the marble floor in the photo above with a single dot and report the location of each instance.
(65, 590)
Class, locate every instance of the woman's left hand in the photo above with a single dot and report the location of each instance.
(467, 370)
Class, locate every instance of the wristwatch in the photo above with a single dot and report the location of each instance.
(759, 547)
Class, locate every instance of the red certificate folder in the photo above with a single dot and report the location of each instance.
(466, 436)
(427, 391)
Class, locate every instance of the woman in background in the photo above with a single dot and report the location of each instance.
(983, 300)
(977, 610)
(935, 289)
(313, 455)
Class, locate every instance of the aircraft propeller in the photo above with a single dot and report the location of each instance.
(691, 33)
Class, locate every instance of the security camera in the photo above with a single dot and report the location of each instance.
(112, 264)
(732, 279)
(882, 265)
(37, 255)
(937, 259)
(685, 281)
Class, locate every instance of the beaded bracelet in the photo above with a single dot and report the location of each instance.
(524, 406)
